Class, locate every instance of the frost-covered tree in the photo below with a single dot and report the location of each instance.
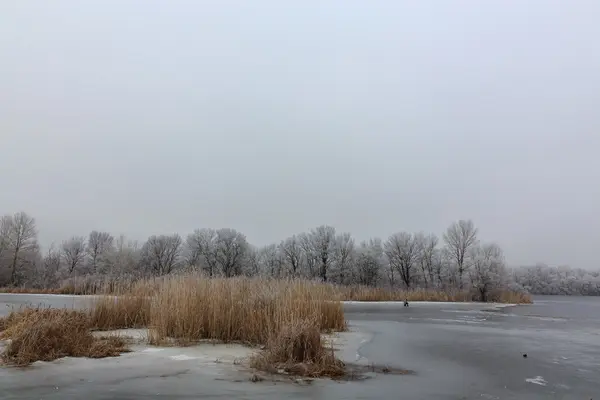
(272, 260)
(19, 246)
(459, 238)
(291, 249)
(369, 262)
(48, 273)
(73, 253)
(201, 249)
(160, 255)
(124, 259)
(544, 279)
(323, 242)
(99, 246)
(402, 252)
(310, 255)
(231, 248)
(488, 271)
(343, 251)
(426, 257)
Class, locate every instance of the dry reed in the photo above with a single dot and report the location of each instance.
(48, 334)
(287, 316)
(369, 293)
(90, 285)
(297, 349)
(191, 308)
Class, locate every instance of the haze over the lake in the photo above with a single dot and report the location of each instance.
(271, 117)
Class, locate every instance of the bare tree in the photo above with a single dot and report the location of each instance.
(20, 243)
(272, 260)
(161, 254)
(488, 271)
(125, 258)
(5, 227)
(48, 273)
(322, 241)
(100, 244)
(402, 252)
(311, 258)
(201, 248)
(292, 253)
(368, 262)
(459, 238)
(253, 262)
(344, 253)
(440, 267)
(73, 254)
(231, 248)
(426, 246)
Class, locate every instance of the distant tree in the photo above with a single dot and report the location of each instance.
(272, 260)
(309, 254)
(322, 241)
(73, 254)
(5, 228)
(402, 252)
(344, 254)
(253, 264)
(202, 250)
(160, 255)
(426, 248)
(291, 250)
(368, 262)
(100, 245)
(231, 248)
(459, 238)
(124, 259)
(50, 267)
(488, 271)
(20, 244)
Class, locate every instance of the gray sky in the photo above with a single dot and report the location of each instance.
(272, 117)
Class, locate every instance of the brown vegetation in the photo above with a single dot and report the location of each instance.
(48, 334)
(129, 286)
(287, 316)
(369, 293)
(297, 349)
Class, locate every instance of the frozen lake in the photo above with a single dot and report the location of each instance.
(458, 351)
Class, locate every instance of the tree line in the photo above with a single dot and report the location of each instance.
(456, 260)
(543, 279)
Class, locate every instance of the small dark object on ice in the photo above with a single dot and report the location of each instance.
(525, 355)
(405, 303)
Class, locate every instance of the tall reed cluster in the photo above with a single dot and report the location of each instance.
(287, 317)
(192, 307)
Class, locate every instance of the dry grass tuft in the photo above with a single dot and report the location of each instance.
(110, 346)
(297, 349)
(48, 334)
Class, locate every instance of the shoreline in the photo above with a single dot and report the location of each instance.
(345, 302)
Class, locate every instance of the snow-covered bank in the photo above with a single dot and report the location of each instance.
(222, 361)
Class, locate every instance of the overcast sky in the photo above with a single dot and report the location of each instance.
(273, 117)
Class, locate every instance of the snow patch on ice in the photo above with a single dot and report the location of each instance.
(538, 380)
(152, 350)
(182, 357)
